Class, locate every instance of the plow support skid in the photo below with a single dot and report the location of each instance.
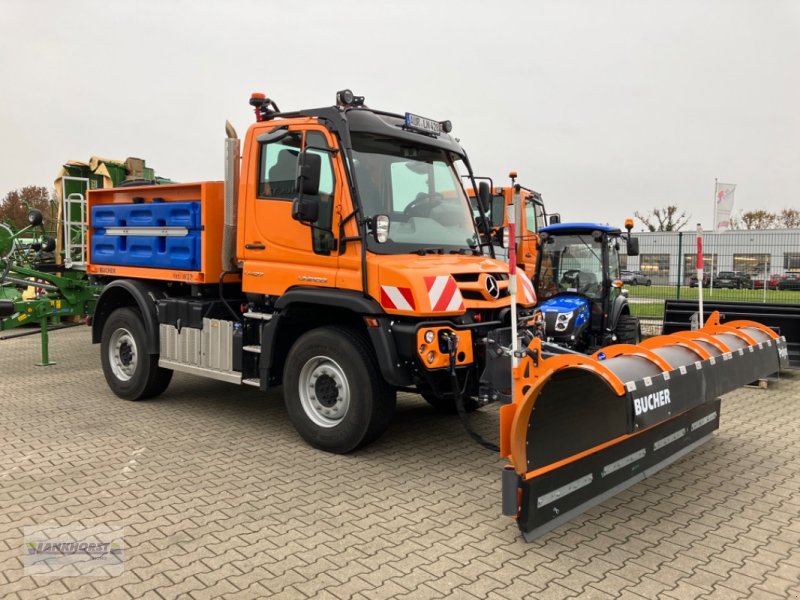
(582, 428)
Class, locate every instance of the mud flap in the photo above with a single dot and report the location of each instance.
(583, 428)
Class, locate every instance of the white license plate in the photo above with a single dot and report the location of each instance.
(423, 124)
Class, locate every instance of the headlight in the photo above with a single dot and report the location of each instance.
(429, 336)
(564, 317)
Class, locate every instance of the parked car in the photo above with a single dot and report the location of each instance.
(772, 282)
(706, 280)
(744, 279)
(790, 282)
(634, 278)
(732, 279)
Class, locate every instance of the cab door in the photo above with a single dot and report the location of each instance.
(279, 252)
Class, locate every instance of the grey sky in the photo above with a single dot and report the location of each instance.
(604, 107)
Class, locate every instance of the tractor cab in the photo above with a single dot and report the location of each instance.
(577, 281)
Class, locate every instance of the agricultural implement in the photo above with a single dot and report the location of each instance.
(51, 295)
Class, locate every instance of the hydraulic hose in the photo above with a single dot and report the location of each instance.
(452, 350)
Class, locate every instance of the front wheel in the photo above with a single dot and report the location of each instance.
(333, 390)
(130, 371)
(628, 330)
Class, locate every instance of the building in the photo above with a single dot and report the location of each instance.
(669, 257)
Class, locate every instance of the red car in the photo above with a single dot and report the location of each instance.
(772, 283)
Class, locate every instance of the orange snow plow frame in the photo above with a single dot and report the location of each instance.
(581, 428)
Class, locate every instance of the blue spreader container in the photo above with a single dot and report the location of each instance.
(180, 252)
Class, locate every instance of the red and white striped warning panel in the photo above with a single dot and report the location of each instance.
(444, 294)
(527, 287)
(398, 298)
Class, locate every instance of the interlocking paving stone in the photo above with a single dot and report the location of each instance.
(220, 498)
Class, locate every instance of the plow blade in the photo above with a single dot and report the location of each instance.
(583, 428)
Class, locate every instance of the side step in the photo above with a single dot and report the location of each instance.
(258, 315)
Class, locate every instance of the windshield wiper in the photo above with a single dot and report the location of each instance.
(424, 251)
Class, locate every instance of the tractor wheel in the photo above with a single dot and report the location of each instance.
(446, 404)
(629, 330)
(333, 390)
(131, 373)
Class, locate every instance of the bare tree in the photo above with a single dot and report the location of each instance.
(789, 218)
(758, 219)
(664, 219)
(15, 205)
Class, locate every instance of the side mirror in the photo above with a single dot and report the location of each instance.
(485, 196)
(305, 211)
(633, 246)
(555, 219)
(501, 237)
(308, 177)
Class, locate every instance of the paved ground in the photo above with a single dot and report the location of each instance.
(219, 497)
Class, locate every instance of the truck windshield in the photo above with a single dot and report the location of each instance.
(419, 189)
(570, 263)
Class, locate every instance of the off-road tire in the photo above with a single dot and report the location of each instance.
(629, 330)
(346, 358)
(131, 373)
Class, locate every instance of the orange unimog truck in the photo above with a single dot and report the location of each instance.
(339, 258)
(530, 216)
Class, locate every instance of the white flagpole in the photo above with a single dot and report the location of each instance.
(700, 273)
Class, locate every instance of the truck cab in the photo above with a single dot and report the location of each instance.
(530, 217)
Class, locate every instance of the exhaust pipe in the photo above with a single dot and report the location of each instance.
(232, 153)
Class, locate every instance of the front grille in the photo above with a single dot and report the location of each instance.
(472, 288)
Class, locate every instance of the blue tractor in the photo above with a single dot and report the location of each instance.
(582, 304)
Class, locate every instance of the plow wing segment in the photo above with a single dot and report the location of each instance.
(583, 428)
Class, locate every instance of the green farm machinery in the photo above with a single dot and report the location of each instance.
(43, 279)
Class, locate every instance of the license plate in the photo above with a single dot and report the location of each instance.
(423, 124)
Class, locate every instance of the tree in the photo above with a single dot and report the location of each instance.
(14, 207)
(758, 219)
(789, 218)
(664, 219)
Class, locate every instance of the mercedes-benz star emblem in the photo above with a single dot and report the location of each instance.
(492, 287)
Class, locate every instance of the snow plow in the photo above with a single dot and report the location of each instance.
(581, 428)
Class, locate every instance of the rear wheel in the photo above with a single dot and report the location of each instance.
(131, 373)
(333, 390)
(628, 330)
(648, 283)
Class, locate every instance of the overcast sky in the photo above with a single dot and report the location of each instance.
(603, 107)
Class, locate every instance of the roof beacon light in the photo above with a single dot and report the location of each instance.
(264, 107)
(628, 224)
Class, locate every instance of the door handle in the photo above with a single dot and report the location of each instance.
(255, 246)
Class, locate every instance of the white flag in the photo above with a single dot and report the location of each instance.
(723, 205)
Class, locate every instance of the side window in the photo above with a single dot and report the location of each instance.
(277, 177)
(322, 234)
(498, 208)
